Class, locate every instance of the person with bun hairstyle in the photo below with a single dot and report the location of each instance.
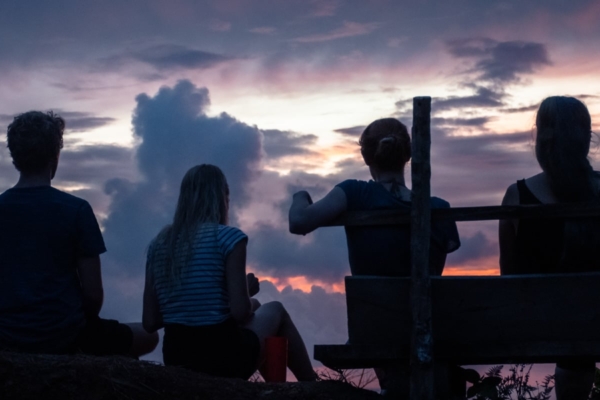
(542, 246)
(198, 291)
(383, 250)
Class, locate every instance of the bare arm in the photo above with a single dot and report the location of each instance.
(305, 217)
(237, 283)
(151, 316)
(90, 278)
(507, 234)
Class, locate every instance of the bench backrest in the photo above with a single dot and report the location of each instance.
(484, 319)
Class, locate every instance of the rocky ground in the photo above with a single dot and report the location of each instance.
(25, 376)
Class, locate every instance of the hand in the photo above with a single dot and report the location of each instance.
(303, 194)
(253, 284)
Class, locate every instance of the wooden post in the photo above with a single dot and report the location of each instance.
(421, 359)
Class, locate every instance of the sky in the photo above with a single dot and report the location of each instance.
(276, 93)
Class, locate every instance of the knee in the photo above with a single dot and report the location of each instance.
(255, 304)
(277, 307)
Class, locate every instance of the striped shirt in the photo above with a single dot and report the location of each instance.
(201, 296)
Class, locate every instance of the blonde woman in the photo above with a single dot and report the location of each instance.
(198, 290)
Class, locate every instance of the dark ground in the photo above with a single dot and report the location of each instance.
(26, 376)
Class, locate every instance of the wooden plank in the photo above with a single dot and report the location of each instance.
(504, 313)
(421, 360)
(378, 355)
(396, 217)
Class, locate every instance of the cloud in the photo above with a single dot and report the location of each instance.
(90, 164)
(348, 29)
(279, 144)
(325, 8)
(483, 97)
(220, 26)
(473, 248)
(502, 62)
(76, 121)
(353, 131)
(83, 121)
(477, 121)
(176, 134)
(166, 57)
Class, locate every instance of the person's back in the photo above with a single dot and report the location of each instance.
(42, 234)
(51, 289)
(557, 245)
(382, 250)
(385, 250)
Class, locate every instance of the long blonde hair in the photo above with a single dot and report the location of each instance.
(203, 200)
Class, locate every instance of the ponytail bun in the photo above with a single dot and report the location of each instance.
(385, 143)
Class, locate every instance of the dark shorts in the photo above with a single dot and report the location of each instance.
(223, 349)
(104, 337)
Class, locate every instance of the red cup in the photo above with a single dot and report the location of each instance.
(275, 367)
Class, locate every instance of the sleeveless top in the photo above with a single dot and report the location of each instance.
(555, 245)
(201, 297)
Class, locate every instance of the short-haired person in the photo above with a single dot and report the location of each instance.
(544, 246)
(198, 290)
(50, 278)
(385, 250)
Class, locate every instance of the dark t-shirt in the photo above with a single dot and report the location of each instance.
(385, 250)
(43, 232)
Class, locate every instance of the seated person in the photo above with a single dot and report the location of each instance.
(50, 280)
(198, 290)
(382, 250)
(544, 246)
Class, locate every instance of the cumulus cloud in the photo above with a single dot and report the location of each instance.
(176, 134)
(473, 248)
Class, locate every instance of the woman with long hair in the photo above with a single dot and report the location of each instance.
(540, 246)
(384, 250)
(197, 289)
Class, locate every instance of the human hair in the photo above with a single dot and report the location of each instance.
(385, 143)
(562, 144)
(34, 139)
(203, 200)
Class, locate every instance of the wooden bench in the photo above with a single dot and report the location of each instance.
(476, 320)
(464, 320)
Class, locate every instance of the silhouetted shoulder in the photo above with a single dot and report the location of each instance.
(436, 202)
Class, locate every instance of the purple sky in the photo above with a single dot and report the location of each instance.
(276, 93)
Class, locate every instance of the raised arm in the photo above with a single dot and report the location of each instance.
(90, 278)
(306, 216)
(237, 283)
(507, 234)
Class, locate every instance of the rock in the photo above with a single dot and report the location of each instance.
(29, 376)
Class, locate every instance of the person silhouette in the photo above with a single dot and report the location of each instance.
(542, 246)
